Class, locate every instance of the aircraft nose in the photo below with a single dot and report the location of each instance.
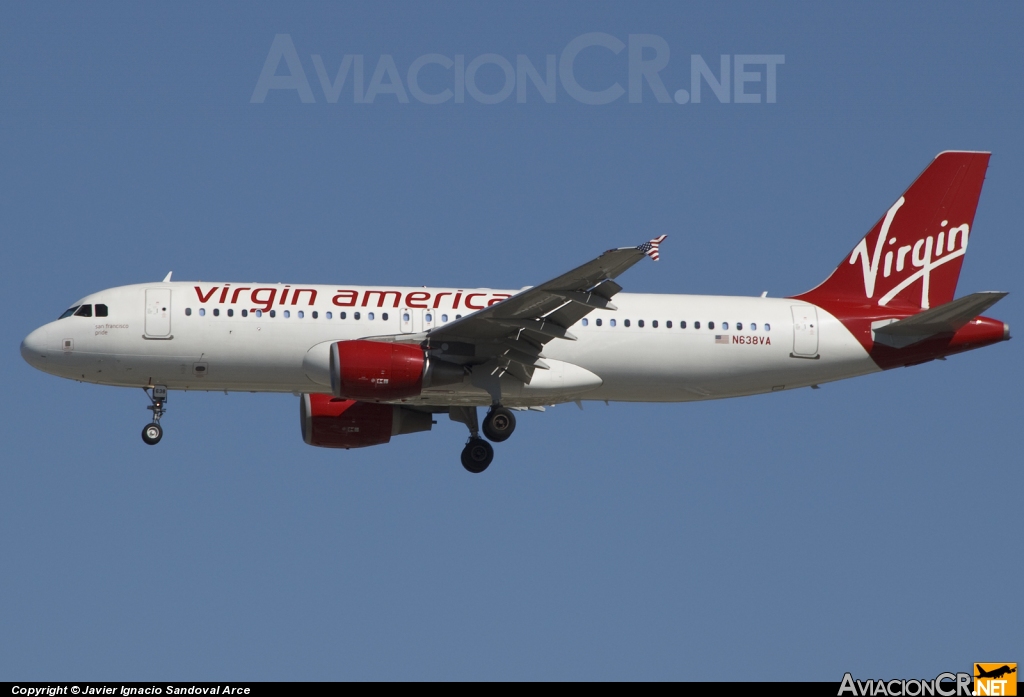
(35, 348)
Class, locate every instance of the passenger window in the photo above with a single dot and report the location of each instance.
(202, 312)
(696, 325)
(711, 325)
(585, 322)
(287, 314)
(216, 312)
(273, 313)
(405, 317)
(245, 313)
(725, 325)
(429, 317)
(355, 315)
(101, 310)
(625, 322)
(668, 324)
(444, 318)
(682, 325)
(231, 313)
(739, 326)
(611, 322)
(767, 327)
(598, 321)
(384, 316)
(369, 316)
(640, 323)
(654, 324)
(259, 313)
(342, 315)
(458, 316)
(68, 312)
(301, 314)
(188, 311)
(753, 326)
(84, 311)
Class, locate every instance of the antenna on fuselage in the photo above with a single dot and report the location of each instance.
(167, 278)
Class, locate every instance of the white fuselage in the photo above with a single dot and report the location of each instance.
(168, 334)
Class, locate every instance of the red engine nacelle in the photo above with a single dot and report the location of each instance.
(330, 422)
(374, 370)
(381, 372)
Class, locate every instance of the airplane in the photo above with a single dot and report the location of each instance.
(995, 673)
(370, 363)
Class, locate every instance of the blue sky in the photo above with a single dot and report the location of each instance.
(868, 526)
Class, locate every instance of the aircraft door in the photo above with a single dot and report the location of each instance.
(405, 317)
(805, 331)
(428, 320)
(158, 313)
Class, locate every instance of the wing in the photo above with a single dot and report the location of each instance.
(513, 332)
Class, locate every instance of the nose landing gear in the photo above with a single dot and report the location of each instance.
(153, 432)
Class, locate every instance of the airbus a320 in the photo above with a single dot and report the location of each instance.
(371, 363)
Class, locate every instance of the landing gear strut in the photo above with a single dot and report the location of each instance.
(478, 453)
(153, 432)
(499, 424)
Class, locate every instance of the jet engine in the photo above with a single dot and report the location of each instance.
(378, 371)
(331, 422)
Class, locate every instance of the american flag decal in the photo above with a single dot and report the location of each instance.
(651, 248)
(721, 338)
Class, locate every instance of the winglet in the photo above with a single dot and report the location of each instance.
(651, 248)
(167, 278)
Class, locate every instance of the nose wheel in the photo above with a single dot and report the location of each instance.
(153, 432)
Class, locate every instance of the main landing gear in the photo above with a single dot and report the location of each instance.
(153, 432)
(477, 455)
(498, 426)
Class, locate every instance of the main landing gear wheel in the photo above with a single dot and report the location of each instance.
(499, 424)
(477, 455)
(152, 434)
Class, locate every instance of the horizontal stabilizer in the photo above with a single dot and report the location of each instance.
(944, 319)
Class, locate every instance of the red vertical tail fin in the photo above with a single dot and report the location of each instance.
(911, 258)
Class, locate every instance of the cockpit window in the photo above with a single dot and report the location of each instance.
(84, 311)
(68, 312)
(101, 310)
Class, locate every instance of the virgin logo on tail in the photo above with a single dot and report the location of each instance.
(922, 238)
(926, 254)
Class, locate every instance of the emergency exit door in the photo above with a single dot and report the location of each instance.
(417, 320)
(406, 317)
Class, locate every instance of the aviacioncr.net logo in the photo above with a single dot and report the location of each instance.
(943, 685)
(642, 62)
